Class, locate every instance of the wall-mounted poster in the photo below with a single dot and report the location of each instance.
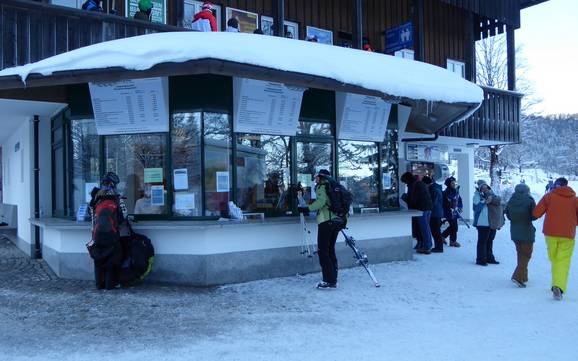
(323, 36)
(291, 28)
(158, 14)
(361, 117)
(427, 153)
(223, 184)
(130, 106)
(248, 21)
(194, 6)
(261, 107)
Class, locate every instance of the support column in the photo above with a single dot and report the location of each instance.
(279, 17)
(511, 45)
(36, 150)
(357, 24)
(418, 30)
(466, 180)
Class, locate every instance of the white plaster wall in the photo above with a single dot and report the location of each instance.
(17, 176)
(466, 180)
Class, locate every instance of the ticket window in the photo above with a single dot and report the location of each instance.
(312, 156)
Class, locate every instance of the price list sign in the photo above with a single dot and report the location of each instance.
(262, 107)
(361, 117)
(130, 106)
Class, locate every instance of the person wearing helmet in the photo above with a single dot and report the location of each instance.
(145, 8)
(204, 20)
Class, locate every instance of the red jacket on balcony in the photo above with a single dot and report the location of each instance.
(204, 21)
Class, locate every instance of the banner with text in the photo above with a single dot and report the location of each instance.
(263, 107)
(361, 117)
(131, 106)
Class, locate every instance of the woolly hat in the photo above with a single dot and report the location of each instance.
(145, 5)
(561, 182)
(449, 180)
(480, 183)
(522, 188)
(207, 5)
(323, 173)
(110, 177)
(426, 179)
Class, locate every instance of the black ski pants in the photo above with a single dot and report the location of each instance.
(327, 234)
(435, 224)
(485, 246)
(452, 230)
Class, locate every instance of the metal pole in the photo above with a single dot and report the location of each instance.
(37, 247)
(418, 30)
(511, 45)
(357, 24)
(279, 17)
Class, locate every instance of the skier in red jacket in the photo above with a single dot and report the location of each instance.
(204, 20)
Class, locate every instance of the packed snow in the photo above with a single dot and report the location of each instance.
(384, 73)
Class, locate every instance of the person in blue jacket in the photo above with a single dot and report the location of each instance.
(92, 5)
(453, 206)
(435, 191)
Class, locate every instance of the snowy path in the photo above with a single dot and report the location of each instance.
(437, 307)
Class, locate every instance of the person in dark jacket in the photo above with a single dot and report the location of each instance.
(519, 211)
(435, 191)
(418, 197)
(488, 218)
(92, 5)
(145, 8)
(327, 231)
(453, 206)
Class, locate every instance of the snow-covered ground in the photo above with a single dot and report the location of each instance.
(436, 307)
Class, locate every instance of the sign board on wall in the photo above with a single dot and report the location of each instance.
(131, 106)
(361, 117)
(158, 14)
(427, 153)
(263, 107)
(400, 37)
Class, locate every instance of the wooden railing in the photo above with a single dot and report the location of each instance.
(497, 119)
(32, 31)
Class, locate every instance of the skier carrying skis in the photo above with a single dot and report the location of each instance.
(327, 231)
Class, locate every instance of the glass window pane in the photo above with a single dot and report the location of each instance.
(140, 162)
(358, 172)
(263, 176)
(58, 186)
(187, 161)
(314, 128)
(85, 164)
(390, 168)
(217, 138)
(311, 157)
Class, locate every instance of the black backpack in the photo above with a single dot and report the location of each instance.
(138, 257)
(339, 197)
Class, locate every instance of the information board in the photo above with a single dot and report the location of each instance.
(262, 107)
(130, 106)
(361, 117)
(427, 153)
(158, 13)
(400, 37)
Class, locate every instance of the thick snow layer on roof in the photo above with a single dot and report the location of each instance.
(388, 74)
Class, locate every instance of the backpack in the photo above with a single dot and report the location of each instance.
(138, 257)
(105, 232)
(339, 197)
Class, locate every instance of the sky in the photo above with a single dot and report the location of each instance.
(549, 39)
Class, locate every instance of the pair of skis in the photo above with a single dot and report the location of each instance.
(360, 256)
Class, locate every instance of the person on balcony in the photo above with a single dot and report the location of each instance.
(145, 8)
(93, 5)
(204, 20)
(233, 25)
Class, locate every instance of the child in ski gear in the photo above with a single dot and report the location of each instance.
(519, 211)
(108, 212)
(453, 206)
(145, 8)
(327, 231)
(483, 197)
(204, 20)
(435, 223)
(418, 198)
(561, 208)
(92, 5)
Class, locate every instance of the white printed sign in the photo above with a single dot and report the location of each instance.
(262, 107)
(130, 106)
(361, 117)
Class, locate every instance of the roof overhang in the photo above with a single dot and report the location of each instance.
(528, 3)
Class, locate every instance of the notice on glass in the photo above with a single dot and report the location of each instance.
(184, 201)
(131, 106)
(361, 117)
(181, 179)
(386, 180)
(153, 175)
(88, 187)
(262, 107)
(222, 181)
(157, 196)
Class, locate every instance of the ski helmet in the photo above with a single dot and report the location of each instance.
(145, 5)
(110, 177)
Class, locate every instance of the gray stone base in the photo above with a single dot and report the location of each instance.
(217, 269)
(12, 235)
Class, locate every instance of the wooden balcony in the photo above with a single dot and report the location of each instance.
(32, 31)
(498, 119)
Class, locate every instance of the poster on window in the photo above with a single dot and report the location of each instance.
(361, 117)
(247, 20)
(130, 106)
(157, 195)
(158, 13)
(222, 179)
(262, 107)
(427, 153)
(323, 36)
(291, 28)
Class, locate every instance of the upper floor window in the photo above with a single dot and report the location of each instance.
(405, 53)
(70, 3)
(194, 6)
(457, 67)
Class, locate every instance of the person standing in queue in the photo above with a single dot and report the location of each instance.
(453, 206)
(327, 231)
(437, 213)
(418, 198)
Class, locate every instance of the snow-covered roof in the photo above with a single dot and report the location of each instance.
(392, 76)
